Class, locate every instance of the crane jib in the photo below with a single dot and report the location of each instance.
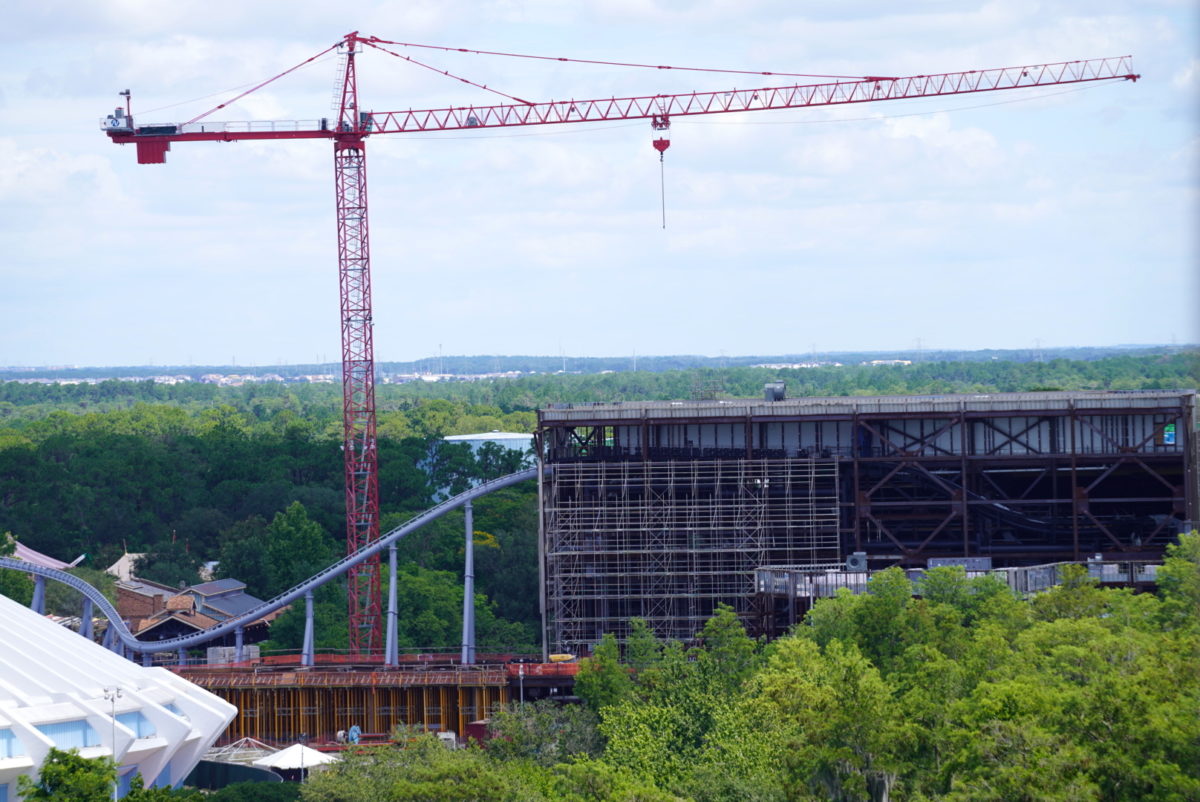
(868, 90)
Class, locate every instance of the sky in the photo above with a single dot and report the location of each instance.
(1056, 216)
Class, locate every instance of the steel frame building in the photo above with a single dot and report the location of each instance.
(662, 510)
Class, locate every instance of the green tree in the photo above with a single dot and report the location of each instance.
(256, 792)
(243, 555)
(66, 601)
(587, 780)
(642, 648)
(1076, 596)
(847, 732)
(603, 680)
(877, 616)
(1018, 761)
(545, 732)
(1179, 582)
(67, 777)
(16, 585)
(728, 656)
(419, 770)
(169, 562)
(297, 548)
(330, 623)
(138, 792)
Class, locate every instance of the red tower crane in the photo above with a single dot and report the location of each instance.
(351, 127)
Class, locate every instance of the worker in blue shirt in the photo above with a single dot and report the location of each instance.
(353, 735)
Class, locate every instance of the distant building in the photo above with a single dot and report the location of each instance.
(664, 509)
(204, 606)
(516, 441)
(123, 568)
(139, 599)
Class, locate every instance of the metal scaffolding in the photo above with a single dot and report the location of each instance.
(662, 509)
(667, 541)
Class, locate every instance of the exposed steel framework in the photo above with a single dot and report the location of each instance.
(358, 366)
(647, 499)
(352, 126)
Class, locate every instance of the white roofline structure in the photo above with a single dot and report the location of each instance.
(57, 690)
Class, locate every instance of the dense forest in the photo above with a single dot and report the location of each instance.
(251, 476)
(953, 690)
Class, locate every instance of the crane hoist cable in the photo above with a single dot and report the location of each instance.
(662, 123)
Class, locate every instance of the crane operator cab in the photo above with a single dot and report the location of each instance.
(118, 121)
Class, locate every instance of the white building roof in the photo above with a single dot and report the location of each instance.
(53, 686)
(490, 436)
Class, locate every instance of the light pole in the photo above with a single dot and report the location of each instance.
(112, 695)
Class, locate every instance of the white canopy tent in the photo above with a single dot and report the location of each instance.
(296, 756)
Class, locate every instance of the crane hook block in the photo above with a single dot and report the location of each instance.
(661, 145)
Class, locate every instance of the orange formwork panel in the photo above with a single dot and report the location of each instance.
(280, 707)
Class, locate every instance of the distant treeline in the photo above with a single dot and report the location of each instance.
(320, 402)
(475, 365)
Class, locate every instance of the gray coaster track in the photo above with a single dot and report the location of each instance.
(287, 597)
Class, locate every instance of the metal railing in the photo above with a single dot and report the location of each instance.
(824, 582)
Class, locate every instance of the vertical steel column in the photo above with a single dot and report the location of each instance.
(239, 639)
(859, 503)
(38, 603)
(964, 484)
(85, 619)
(306, 653)
(358, 361)
(1189, 450)
(391, 653)
(1073, 422)
(468, 611)
(358, 393)
(541, 541)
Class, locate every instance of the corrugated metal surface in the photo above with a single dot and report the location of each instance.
(869, 405)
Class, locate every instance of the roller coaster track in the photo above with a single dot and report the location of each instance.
(329, 574)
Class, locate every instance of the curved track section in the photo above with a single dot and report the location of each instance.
(287, 597)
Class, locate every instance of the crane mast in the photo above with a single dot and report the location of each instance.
(349, 133)
(358, 364)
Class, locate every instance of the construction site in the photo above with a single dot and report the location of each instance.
(278, 700)
(663, 510)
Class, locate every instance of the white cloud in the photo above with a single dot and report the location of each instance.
(41, 176)
(909, 221)
(1187, 77)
